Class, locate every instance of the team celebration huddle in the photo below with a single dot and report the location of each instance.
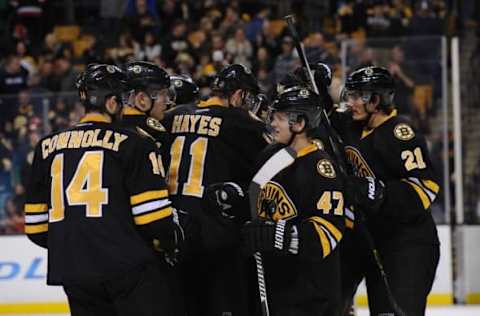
(159, 202)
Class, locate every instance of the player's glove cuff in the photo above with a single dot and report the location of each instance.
(367, 193)
(267, 236)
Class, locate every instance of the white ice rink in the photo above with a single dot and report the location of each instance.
(472, 310)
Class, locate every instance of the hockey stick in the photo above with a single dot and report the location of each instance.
(333, 136)
(336, 142)
(279, 161)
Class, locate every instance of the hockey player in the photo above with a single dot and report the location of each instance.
(185, 90)
(86, 205)
(394, 185)
(148, 98)
(301, 216)
(213, 149)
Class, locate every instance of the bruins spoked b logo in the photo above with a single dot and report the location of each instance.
(403, 132)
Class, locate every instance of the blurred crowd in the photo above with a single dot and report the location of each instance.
(46, 43)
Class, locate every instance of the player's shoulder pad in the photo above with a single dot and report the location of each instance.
(324, 164)
(155, 124)
(401, 129)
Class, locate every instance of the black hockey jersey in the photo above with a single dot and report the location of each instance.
(150, 127)
(309, 194)
(210, 143)
(95, 195)
(396, 154)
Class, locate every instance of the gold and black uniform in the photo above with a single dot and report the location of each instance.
(308, 194)
(211, 143)
(144, 125)
(403, 227)
(95, 197)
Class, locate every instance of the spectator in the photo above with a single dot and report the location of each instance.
(46, 75)
(424, 21)
(400, 15)
(13, 79)
(231, 22)
(240, 49)
(111, 13)
(169, 14)
(51, 46)
(268, 39)
(378, 22)
(286, 62)
(316, 51)
(13, 76)
(27, 61)
(127, 48)
(141, 17)
(263, 60)
(150, 49)
(254, 28)
(14, 222)
(64, 75)
(404, 83)
(176, 43)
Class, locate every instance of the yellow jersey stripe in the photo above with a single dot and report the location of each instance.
(421, 194)
(36, 208)
(431, 185)
(147, 196)
(348, 223)
(153, 216)
(327, 248)
(329, 226)
(36, 229)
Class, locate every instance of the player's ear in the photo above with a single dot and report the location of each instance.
(299, 125)
(111, 105)
(141, 101)
(374, 103)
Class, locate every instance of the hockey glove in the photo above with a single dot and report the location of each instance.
(222, 198)
(267, 236)
(367, 193)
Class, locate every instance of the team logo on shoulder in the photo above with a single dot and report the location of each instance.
(325, 168)
(403, 132)
(274, 203)
(155, 124)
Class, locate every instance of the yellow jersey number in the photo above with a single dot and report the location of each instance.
(85, 188)
(198, 152)
(325, 203)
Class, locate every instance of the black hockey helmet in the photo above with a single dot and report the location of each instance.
(234, 77)
(299, 102)
(98, 82)
(373, 80)
(145, 76)
(186, 91)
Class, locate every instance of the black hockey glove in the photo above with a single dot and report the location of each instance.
(267, 236)
(222, 198)
(367, 193)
